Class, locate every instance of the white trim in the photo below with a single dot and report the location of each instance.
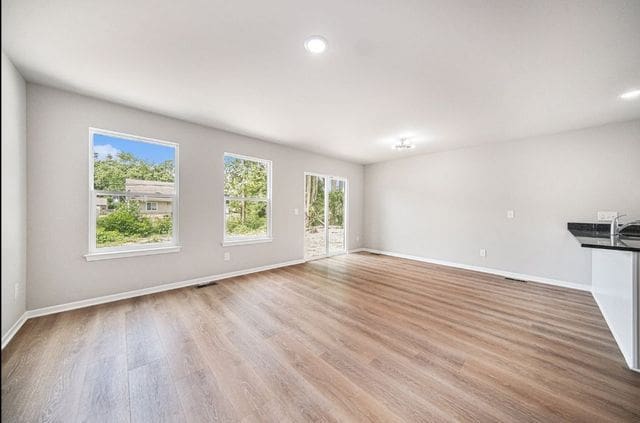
(250, 158)
(107, 255)
(345, 215)
(206, 279)
(152, 290)
(232, 242)
(141, 195)
(636, 306)
(130, 294)
(131, 250)
(327, 241)
(228, 241)
(14, 329)
(132, 137)
(152, 246)
(327, 180)
(522, 276)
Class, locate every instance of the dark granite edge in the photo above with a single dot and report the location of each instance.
(588, 234)
(588, 227)
(600, 228)
(609, 247)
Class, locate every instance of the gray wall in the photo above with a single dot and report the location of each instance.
(14, 194)
(447, 206)
(58, 125)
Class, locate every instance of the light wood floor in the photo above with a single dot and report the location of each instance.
(350, 338)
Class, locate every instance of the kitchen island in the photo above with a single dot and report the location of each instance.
(615, 283)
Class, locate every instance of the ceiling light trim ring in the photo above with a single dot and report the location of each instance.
(316, 44)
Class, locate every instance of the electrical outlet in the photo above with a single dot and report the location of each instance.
(607, 216)
(511, 214)
(357, 238)
(227, 256)
(16, 291)
(483, 252)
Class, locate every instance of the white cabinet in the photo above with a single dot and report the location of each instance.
(615, 286)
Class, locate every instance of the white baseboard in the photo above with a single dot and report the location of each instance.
(136, 293)
(14, 329)
(145, 291)
(498, 272)
(201, 280)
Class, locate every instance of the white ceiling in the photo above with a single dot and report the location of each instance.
(449, 73)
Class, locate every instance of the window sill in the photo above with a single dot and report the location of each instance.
(107, 255)
(232, 243)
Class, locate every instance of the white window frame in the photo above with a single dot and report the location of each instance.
(243, 240)
(172, 246)
(327, 178)
(151, 203)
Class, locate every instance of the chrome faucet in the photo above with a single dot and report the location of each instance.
(616, 228)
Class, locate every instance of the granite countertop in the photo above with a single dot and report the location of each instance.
(596, 235)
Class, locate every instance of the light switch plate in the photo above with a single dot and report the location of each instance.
(511, 214)
(296, 211)
(227, 256)
(607, 216)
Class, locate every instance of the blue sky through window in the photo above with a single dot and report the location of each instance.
(105, 145)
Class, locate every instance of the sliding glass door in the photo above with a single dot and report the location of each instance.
(336, 190)
(325, 215)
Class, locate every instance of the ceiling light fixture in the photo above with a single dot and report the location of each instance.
(629, 95)
(403, 145)
(315, 44)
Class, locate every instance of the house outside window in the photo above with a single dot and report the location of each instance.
(133, 190)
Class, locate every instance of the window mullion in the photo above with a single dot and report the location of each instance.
(133, 194)
(256, 199)
(147, 210)
(246, 218)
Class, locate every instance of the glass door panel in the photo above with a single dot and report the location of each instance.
(315, 234)
(336, 215)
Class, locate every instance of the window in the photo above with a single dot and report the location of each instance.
(134, 195)
(247, 199)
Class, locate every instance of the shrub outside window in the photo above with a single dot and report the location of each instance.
(247, 199)
(133, 193)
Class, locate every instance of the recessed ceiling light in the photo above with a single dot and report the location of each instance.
(403, 145)
(630, 95)
(315, 44)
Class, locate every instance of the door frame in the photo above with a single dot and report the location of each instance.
(326, 215)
